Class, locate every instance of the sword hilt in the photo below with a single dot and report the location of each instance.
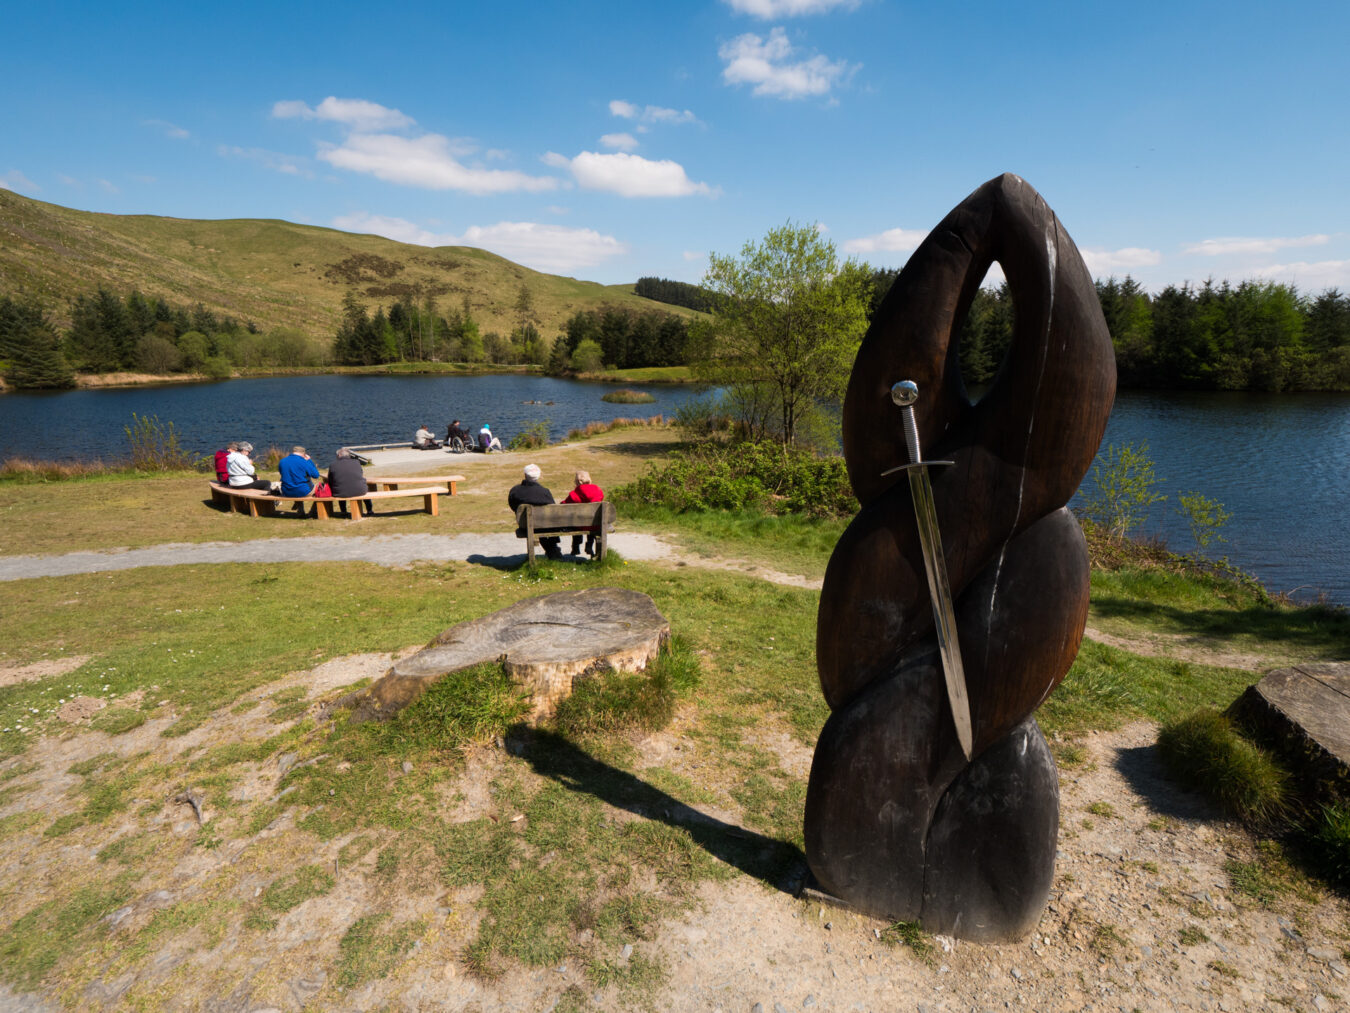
(904, 394)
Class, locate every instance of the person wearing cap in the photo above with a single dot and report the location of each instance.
(242, 473)
(488, 442)
(530, 491)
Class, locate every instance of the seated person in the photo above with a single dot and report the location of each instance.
(489, 442)
(223, 463)
(530, 491)
(584, 492)
(423, 440)
(458, 432)
(296, 471)
(242, 473)
(345, 478)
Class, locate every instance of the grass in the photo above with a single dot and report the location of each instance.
(1205, 752)
(628, 397)
(567, 845)
(644, 374)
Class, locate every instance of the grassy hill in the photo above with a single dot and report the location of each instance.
(271, 272)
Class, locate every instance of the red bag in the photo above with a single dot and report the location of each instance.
(322, 490)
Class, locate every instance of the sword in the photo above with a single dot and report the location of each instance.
(904, 394)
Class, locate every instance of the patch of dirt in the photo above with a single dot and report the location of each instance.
(79, 710)
(1143, 914)
(12, 675)
(1183, 648)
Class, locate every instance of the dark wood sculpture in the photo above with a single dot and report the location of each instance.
(898, 823)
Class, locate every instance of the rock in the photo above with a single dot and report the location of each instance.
(757, 1008)
(286, 761)
(308, 985)
(1306, 710)
(407, 767)
(809, 1001)
(119, 916)
(1326, 954)
(626, 952)
(547, 643)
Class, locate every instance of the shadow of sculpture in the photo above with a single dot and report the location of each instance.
(776, 863)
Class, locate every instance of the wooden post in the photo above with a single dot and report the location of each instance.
(604, 535)
(529, 536)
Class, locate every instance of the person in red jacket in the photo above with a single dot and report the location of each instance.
(585, 491)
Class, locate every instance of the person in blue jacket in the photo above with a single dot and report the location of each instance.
(296, 471)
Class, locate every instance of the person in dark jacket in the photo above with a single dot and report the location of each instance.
(345, 478)
(530, 491)
(457, 432)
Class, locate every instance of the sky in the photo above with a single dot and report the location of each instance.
(1176, 141)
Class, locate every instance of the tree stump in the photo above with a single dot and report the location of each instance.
(545, 644)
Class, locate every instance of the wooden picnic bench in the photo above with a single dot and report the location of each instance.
(534, 522)
(256, 502)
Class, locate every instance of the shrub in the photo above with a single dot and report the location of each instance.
(762, 476)
(596, 428)
(533, 437)
(611, 700)
(1204, 752)
(1329, 840)
(155, 447)
(1121, 489)
(700, 417)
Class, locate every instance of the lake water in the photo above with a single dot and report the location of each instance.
(1280, 463)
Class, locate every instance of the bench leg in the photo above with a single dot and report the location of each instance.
(321, 509)
(452, 488)
(432, 506)
(529, 538)
(604, 538)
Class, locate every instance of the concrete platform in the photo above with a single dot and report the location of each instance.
(1305, 712)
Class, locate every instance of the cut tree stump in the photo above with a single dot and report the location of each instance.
(545, 643)
(1304, 711)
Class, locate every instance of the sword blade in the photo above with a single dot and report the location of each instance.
(944, 615)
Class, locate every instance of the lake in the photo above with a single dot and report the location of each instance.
(1280, 463)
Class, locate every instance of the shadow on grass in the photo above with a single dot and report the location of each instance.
(771, 861)
(635, 448)
(1325, 630)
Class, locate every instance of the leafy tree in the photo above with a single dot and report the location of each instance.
(587, 358)
(1205, 517)
(786, 326)
(155, 354)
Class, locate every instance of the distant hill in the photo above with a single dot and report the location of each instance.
(272, 273)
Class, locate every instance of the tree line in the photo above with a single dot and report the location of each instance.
(675, 293)
(112, 333)
(1260, 336)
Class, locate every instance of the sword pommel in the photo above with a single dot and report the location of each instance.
(905, 393)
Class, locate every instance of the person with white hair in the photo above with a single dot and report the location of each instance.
(242, 473)
(530, 491)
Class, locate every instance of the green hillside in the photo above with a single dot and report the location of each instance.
(271, 272)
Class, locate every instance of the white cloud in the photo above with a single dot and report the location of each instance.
(428, 161)
(1105, 262)
(624, 142)
(650, 114)
(692, 255)
(277, 162)
(768, 65)
(107, 186)
(170, 129)
(555, 249)
(1314, 277)
(629, 175)
(358, 114)
(558, 209)
(68, 180)
(1237, 244)
(890, 241)
(15, 180)
(768, 10)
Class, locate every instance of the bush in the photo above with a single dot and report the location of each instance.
(611, 700)
(1204, 752)
(700, 417)
(534, 437)
(1121, 489)
(1330, 843)
(155, 447)
(746, 476)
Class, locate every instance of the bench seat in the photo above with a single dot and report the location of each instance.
(534, 522)
(256, 502)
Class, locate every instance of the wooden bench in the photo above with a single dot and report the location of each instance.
(393, 482)
(256, 502)
(534, 522)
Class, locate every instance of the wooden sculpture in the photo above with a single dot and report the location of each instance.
(899, 822)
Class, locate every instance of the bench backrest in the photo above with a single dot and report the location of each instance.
(565, 516)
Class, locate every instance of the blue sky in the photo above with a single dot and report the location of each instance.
(1176, 141)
